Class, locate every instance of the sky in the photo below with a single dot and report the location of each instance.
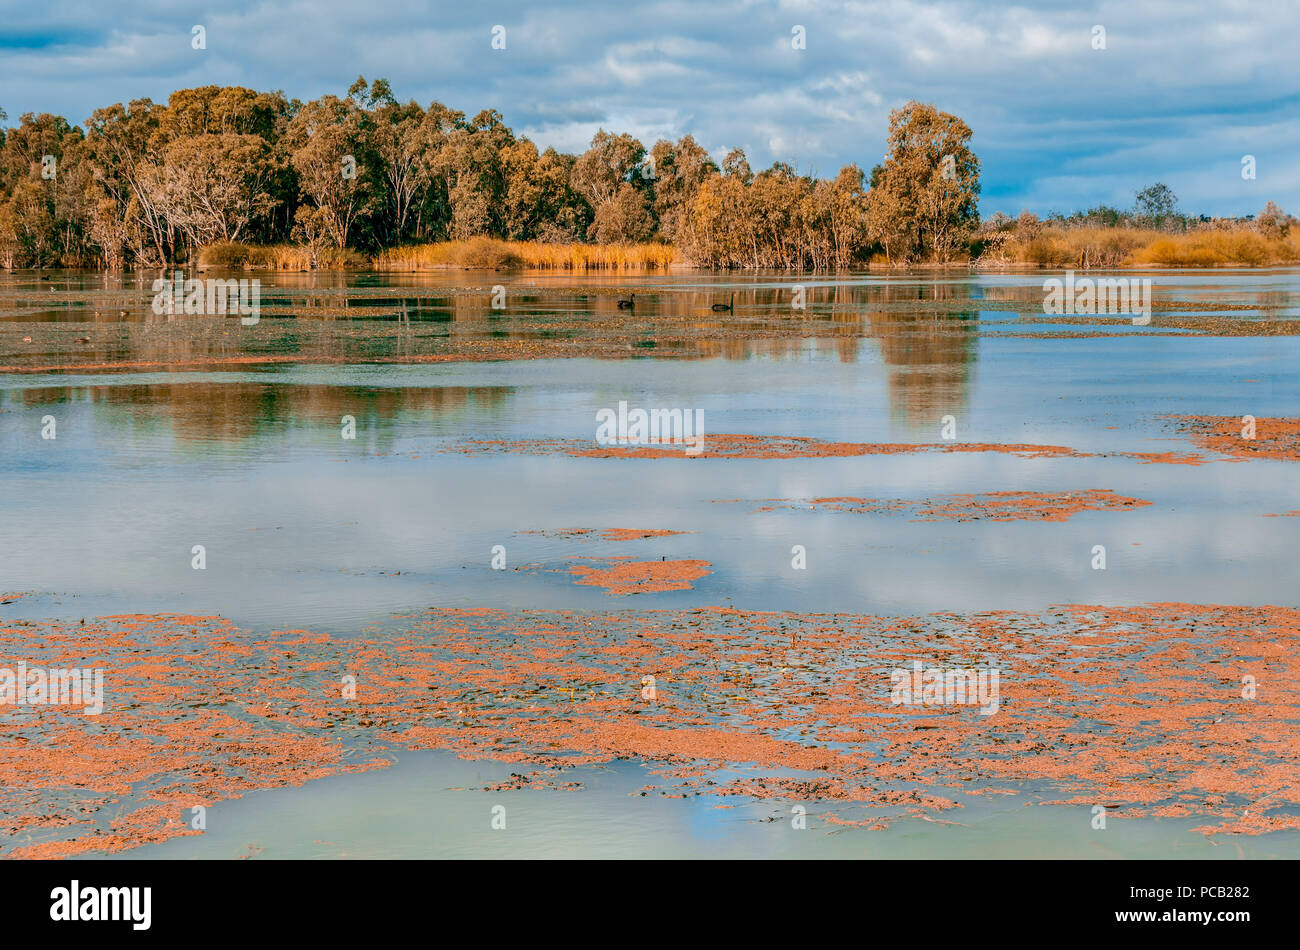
(1180, 93)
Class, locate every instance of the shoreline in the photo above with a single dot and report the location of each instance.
(675, 267)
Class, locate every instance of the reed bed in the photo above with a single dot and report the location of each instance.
(492, 253)
(288, 257)
(1046, 246)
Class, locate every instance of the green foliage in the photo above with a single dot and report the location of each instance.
(1156, 204)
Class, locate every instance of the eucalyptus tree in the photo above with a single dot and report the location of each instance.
(924, 195)
(326, 138)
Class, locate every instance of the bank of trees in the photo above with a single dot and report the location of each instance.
(145, 183)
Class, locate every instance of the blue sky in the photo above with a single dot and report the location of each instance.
(1182, 91)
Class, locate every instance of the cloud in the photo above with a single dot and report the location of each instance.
(1180, 92)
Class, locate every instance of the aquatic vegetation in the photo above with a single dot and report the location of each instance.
(774, 690)
(1244, 437)
(493, 254)
(287, 257)
(637, 577)
(987, 506)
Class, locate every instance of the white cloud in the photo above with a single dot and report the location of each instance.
(1179, 94)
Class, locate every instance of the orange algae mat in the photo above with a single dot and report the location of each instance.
(626, 575)
(608, 534)
(735, 446)
(1275, 438)
(989, 506)
(752, 446)
(182, 726)
(1140, 709)
(642, 577)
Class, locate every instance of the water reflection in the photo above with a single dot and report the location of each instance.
(240, 410)
(929, 359)
(923, 327)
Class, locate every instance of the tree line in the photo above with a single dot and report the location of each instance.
(145, 184)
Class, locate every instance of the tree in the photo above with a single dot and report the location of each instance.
(469, 159)
(778, 234)
(328, 143)
(603, 174)
(1273, 221)
(225, 110)
(624, 218)
(924, 196)
(397, 141)
(147, 182)
(843, 201)
(433, 213)
(1156, 204)
(123, 145)
(539, 203)
(312, 228)
(677, 170)
(722, 229)
(213, 187)
(391, 147)
(47, 207)
(737, 165)
(32, 230)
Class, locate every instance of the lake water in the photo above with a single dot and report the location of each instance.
(179, 432)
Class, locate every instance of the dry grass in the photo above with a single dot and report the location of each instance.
(480, 252)
(493, 254)
(1115, 247)
(1046, 246)
(1218, 248)
(290, 257)
(1076, 247)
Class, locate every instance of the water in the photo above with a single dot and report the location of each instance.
(426, 807)
(192, 441)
